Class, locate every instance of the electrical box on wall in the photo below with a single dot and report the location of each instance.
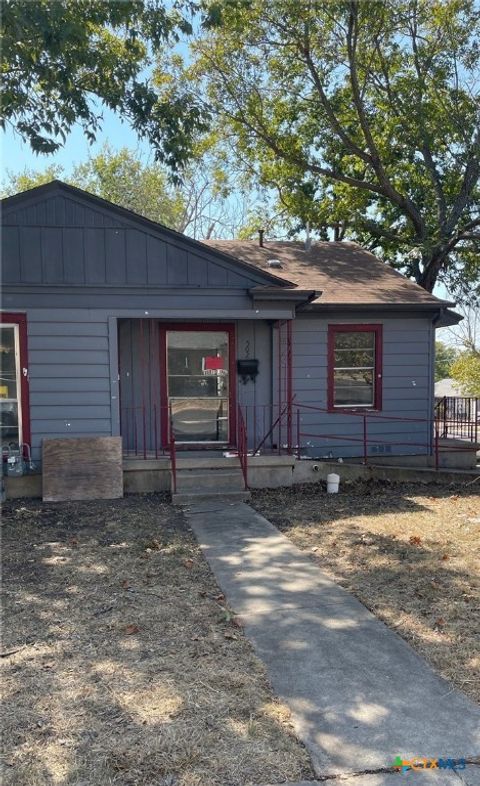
(247, 370)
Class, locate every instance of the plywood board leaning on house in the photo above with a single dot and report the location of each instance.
(82, 468)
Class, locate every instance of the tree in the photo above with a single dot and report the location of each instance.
(466, 335)
(121, 178)
(363, 115)
(63, 60)
(201, 205)
(466, 371)
(444, 358)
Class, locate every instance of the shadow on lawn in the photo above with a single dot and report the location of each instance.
(423, 586)
(129, 670)
(359, 694)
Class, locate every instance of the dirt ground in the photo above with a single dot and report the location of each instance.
(122, 664)
(410, 553)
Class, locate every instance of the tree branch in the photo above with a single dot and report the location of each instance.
(390, 192)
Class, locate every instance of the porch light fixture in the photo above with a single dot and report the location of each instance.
(247, 370)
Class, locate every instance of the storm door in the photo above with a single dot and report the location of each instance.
(198, 384)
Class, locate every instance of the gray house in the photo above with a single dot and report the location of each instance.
(115, 325)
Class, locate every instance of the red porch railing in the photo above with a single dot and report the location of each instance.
(309, 431)
(242, 446)
(366, 434)
(173, 462)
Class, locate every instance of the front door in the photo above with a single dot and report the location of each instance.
(197, 365)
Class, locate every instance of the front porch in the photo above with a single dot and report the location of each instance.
(189, 383)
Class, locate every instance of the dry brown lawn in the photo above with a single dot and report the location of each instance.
(411, 554)
(122, 664)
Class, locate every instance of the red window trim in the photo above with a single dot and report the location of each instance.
(355, 328)
(226, 327)
(15, 318)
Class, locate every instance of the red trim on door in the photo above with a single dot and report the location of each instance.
(21, 320)
(207, 327)
(354, 328)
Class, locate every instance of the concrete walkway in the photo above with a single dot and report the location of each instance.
(358, 693)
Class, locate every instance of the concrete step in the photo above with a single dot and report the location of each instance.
(183, 498)
(211, 480)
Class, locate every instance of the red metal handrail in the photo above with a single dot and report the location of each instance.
(242, 446)
(173, 455)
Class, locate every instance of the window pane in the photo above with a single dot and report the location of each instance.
(348, 358)
(9, 422)
(354, 388)
(8, 374)
(197, 363)
(200, 421)
(198, 387)
(355, 340)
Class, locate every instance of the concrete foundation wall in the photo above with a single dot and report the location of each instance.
(146, 477)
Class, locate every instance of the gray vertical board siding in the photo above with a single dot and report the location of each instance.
(95, 255)
(30, 246)
(83, 244)
(139, 371)
(407, 390)
(73, 255)
(10, 254)
(254, 341)
(52, 240)
(115, 256)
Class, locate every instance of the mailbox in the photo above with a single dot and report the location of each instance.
(247, 370)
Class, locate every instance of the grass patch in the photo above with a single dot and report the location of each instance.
(122, 664)
(410, 553)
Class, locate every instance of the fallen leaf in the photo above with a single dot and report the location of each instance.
(445, 557)
(415, 540)
(153, 545)
(131, 629)
(440, 622)
(188, 563)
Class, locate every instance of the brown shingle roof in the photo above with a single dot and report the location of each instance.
(344, 272)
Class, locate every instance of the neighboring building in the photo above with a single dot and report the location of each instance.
(447, 387)
(115, 325)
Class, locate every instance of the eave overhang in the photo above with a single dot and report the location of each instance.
(297, 296)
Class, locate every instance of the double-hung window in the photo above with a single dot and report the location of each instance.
(354, 366)
(14, 415)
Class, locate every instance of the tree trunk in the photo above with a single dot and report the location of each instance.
(432, 265)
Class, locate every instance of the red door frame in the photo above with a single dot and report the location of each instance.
(15, 318)
(377, 329)
(207, 327)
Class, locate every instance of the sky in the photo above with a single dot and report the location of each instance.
(17, 155)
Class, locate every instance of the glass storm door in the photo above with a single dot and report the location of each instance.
(198, 385)
(10, 410)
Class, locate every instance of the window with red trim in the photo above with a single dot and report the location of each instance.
(354, 366)
(14, 406)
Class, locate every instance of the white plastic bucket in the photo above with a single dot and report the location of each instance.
(333, 482)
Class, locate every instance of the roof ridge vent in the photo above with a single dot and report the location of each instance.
(275, 263)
